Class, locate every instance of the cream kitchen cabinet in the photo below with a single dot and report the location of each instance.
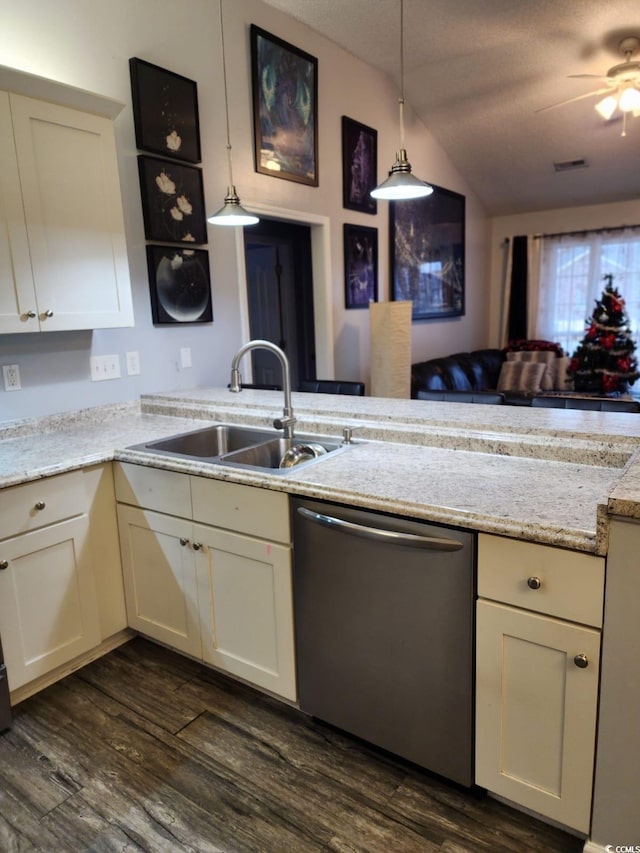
(49, 607)
(537, 664)
(63, 260)
(207, 568)
(159, 572)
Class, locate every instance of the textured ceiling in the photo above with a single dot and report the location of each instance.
(477, 71)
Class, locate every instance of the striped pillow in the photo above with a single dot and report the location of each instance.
(523, 376)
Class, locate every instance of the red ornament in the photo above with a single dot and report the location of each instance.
(592, 331)
(608, 341)
(609, 382)
(624, 364)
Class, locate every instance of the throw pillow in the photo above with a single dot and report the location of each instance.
(563, 380)
(548, 358)
(523, 376)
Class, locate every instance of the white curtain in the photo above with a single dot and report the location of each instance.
(571, 272)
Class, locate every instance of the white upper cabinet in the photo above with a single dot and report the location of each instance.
(63, 260)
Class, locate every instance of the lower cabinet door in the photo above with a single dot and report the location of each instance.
(159, 577)
(246, 610)
(48, 604)
(536, 701)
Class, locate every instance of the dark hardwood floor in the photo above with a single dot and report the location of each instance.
(144, 750)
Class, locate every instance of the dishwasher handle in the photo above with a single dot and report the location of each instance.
(379, 534)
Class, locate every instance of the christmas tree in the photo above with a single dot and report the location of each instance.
(604, 361)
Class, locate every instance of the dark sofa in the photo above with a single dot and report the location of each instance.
(459, 377)
(472, 377)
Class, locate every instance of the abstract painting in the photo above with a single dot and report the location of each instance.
(180, 285)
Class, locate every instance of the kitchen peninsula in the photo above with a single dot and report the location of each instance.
(543, 478)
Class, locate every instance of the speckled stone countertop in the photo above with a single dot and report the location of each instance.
(549, 476)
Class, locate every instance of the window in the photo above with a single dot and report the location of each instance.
(572, 273)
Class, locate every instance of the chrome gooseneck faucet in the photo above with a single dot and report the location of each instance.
(287, 420)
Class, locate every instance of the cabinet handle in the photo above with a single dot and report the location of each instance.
(197, 546)
(581, 661)
(184, 541)
(4, 564)
(31, 314)
(534, 583)
(40, 505)
(48, 313)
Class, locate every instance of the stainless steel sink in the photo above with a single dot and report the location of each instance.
(269, 454)
(209, 442)
(238, 446)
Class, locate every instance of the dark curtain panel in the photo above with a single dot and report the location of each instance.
(517, 329)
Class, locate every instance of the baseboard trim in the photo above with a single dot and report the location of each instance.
(38, 684)
(592, 847)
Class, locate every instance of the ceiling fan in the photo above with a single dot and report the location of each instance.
(622, 86)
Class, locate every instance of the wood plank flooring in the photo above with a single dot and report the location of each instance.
(144, 750)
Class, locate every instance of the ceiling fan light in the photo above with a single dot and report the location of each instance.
(401, 184)
(607, 106)
(630, 99)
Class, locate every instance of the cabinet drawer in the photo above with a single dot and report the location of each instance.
(153, 488)
(245, 509)
(41, 502)
(571, 583)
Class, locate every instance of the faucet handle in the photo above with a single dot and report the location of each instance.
(286, 423)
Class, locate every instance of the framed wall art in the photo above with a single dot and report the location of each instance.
(359, 166)
(285, 109)
(427, 252)
(172, 201)
(180, 285)
(165, 111)
(360, 266)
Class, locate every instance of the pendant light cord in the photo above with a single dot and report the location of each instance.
(401, 98)
(226, 97)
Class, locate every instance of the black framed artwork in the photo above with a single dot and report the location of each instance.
(172, 201)
(427, 252)
(360, 265)
(165, 111)
(359, 166)
(179, 284)
(285, 109)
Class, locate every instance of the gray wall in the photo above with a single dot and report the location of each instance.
(87, 44)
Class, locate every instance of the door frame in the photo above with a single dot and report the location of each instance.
(321, 271)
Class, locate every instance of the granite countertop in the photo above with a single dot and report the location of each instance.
(548, 476)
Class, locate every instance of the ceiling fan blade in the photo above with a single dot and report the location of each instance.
(571, 100)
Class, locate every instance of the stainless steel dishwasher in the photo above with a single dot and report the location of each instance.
(384, 631)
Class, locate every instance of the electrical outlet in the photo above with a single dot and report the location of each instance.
(105, 367)
(185, 356)
(11, 376)
(133, 363)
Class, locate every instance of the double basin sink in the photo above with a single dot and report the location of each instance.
(244, 447)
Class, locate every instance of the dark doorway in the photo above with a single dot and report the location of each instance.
(280, 298)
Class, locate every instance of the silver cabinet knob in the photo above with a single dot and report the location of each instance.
(183, 541)
(31, 314)
(40, 505)
(534, 583)
(197, 546)
(4, 564)
(48, 313)
(581, 661)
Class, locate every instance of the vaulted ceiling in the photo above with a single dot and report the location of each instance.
(478, 71)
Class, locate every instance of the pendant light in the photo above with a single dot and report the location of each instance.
(401, 184)
(232, 212)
